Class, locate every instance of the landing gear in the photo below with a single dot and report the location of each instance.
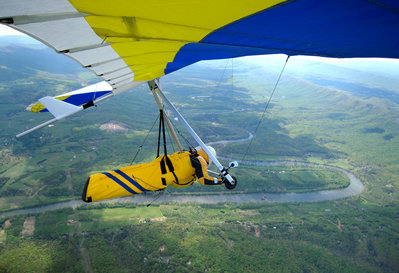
(230, 185)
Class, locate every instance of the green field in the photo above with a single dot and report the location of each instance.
(306, 121)
(53, 164)
(331, 237)
(277, 179)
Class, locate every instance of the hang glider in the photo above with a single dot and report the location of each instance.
(126, 40)
(129, 42)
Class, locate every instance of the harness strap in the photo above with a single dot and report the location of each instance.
(169, 163)
(165, 161)
(163, 166)
(161, 130)
(163, 133)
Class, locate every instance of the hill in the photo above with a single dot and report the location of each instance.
(306, 121)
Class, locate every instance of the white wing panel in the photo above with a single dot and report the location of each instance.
(124, 87)
(101, 86)
(94, 56)
(122, 79)
(73, 33)
(34, 7)
(119, 73)
(121, 83)
(59, 109)
(109, 67)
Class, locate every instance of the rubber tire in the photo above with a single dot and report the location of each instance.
(230, 186)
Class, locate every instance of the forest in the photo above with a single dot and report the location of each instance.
(307, 121)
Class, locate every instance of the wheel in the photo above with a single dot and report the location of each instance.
(230, 186)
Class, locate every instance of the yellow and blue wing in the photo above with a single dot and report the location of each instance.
(78, 97)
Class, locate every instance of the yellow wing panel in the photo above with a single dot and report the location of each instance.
(208, 14)
(159, 29)
(37, 107)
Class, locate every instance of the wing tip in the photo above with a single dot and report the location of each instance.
(35, 107)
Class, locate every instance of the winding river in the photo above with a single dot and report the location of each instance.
(355, 187)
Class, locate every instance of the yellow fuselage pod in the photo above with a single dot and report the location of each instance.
(130, 180)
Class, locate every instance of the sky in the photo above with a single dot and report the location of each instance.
(4, 31)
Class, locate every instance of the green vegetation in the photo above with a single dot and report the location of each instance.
(53, 164)
(329, 237)
(276, 180)
(86, 220)
(305, 122)
(291, 179)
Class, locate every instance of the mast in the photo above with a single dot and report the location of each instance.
(156, 88)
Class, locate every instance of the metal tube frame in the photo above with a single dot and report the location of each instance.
(154, 86)
(168, 123)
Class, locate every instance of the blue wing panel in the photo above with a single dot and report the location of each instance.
(330, 28)
(80, 99)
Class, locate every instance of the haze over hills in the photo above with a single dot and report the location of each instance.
(321, 112)
(22, 54)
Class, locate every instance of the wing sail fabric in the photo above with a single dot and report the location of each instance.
(124, 41)
(78, 97)
(67, 104)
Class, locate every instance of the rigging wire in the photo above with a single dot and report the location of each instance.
(95, 93)
(266, 107)
(221, 77)
(147, 183)
(160, 194)
(141, 146)
(180, 134)
(170, 141)
(232, 76)
(163, 116)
